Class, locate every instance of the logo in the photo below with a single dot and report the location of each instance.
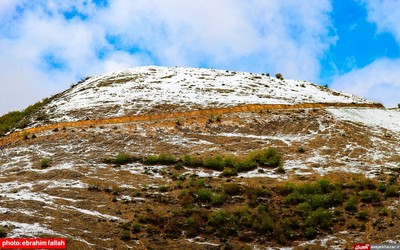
(362, 247)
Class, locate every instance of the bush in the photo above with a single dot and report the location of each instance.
(167, 159)
(219, 218)
(245, 165)
(351, 204)
(3, 232)
(204, 195)
(122, 158)
(294, 198)
(324, 185)
(215, 162)
(280, 170)
(229, 172)
(370, 196)
(264, 224)
(304, 209)
(190, 161)
(217, 199)
(279, 76)
(150, 160)
(45, 163)
(362, 215)
(310, 233)
(19, 119)
(320, 217)
(232, 189)
(125, 235)
(136, 227)
(269, 157)
(392, 191)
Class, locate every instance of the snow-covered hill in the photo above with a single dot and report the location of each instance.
(154, 89)
(60, 165)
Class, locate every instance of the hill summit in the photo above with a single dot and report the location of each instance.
(185, 158)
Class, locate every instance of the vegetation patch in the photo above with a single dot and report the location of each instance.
(282, 213)
(20, 119)
(228, 165)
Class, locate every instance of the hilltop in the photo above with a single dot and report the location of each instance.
(201, 158)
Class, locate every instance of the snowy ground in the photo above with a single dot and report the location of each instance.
(376, 118)
(138, 90)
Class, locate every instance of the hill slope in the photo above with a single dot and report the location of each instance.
(85, 162)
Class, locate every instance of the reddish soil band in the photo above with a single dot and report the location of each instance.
(16, 136)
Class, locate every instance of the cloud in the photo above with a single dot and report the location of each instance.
(47, 45)
(385, 14)
(378, 81)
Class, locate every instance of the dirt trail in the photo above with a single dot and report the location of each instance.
(15, 136)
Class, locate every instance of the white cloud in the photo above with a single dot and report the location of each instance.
(378, 81)
(385, 14)
(256, 35)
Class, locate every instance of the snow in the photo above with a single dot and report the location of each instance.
(381, 118)
(27, 230)
(140, 89)
(92, 213)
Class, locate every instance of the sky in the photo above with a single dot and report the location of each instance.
(349, 45)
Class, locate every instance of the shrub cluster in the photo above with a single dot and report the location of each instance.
(284, 212)
(19, 119)
(229, 165)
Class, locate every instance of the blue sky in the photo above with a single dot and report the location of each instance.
(352, 45)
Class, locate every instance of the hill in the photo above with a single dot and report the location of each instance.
(204, 159)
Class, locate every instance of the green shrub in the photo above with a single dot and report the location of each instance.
(319, 218)
(217, 199)
(362, 215)
(45, 163)
(363, 183)
(122, 158)
(370, 196)
(136, 227)
(382, 187)
(324, 185)
(219, 217)
(230, 161)
(245, 165)
(227, 172)
(336, 197)
(304, 209)
(125, 235)
(280, 169)
(167, 159)
(310, 232)
(287, 188)
(264, 224)
(268, 157)
(19, 119)
(232, 189)
(192, 161)
(204, 195)
(351, 204)
(294, 198)
(215, 162)
(392, 191)
(319, 200)
(150, 160)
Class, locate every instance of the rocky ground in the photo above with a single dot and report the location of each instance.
(92, 202)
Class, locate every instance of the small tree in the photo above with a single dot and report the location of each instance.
(279, 76)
